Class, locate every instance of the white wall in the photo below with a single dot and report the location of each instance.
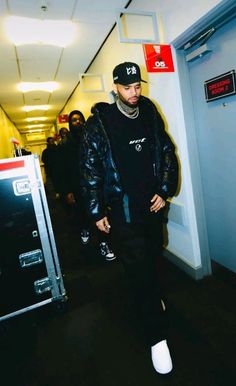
(174, 17)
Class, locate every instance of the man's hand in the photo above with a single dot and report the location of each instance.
(103, 225)
(157, 203)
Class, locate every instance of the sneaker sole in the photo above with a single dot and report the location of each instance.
(110, 258)
(84, 242)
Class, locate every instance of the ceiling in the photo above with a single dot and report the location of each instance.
(43, 62)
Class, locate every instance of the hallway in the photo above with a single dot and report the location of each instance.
(90, 342)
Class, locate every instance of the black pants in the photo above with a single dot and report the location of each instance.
(139, 246)
(79, 218)
(76, 212)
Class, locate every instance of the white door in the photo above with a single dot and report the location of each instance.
(216, 141)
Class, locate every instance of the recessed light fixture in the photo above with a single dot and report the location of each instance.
(36, 119)
(36, 131)
(36, 107)
(36, 125)
(39, 86)
(24, 30)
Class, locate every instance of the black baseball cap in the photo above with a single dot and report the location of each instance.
(127, 73)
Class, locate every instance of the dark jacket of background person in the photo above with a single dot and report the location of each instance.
(96, 152)
(51, 162)
(49, 156)
(69, 158)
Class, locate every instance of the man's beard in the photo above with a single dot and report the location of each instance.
(132, 105)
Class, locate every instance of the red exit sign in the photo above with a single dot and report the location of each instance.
(221, 86)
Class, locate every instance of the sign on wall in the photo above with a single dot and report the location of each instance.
(63, 118)
(220, 86)
(158, 57)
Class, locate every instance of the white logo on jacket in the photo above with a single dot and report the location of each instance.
(134, 141)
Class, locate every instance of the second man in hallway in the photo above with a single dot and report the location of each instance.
(69, 149)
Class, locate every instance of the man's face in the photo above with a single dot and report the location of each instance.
(51, 142)
(63, 133)
(129, 94)
(77, 120)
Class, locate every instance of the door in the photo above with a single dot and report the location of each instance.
(216, 140)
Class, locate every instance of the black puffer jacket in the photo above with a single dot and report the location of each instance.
(100, 180)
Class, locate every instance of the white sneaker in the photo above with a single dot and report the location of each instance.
(84, 236)
(163, 305)
(106, 251)
(161, 358)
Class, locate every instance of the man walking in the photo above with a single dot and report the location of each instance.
(70, 184)
(128, 170)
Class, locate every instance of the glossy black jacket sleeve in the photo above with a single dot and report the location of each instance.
(168, 168)
(92, 170)
(164, 151)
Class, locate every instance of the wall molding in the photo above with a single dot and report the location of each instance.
(195, 273)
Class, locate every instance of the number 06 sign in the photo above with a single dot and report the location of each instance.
(158, 58)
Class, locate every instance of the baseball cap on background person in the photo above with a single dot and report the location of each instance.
(127, 73)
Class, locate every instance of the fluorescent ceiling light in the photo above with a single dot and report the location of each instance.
(23, 30)
(36, 131)
(41, 125)
(41, 86)
(36, 119)
(32, 131)
(36, 107)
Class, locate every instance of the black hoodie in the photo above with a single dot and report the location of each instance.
(69, 156)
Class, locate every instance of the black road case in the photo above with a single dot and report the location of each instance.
(30, 274)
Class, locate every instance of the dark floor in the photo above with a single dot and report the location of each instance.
(96, 339)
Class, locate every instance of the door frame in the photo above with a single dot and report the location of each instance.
(218, 16)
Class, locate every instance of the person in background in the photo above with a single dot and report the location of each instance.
(63, 136)
(50, 161)
(70, 181)
(128, 170)
(25, 151)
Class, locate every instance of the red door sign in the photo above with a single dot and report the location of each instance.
(158, 58)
